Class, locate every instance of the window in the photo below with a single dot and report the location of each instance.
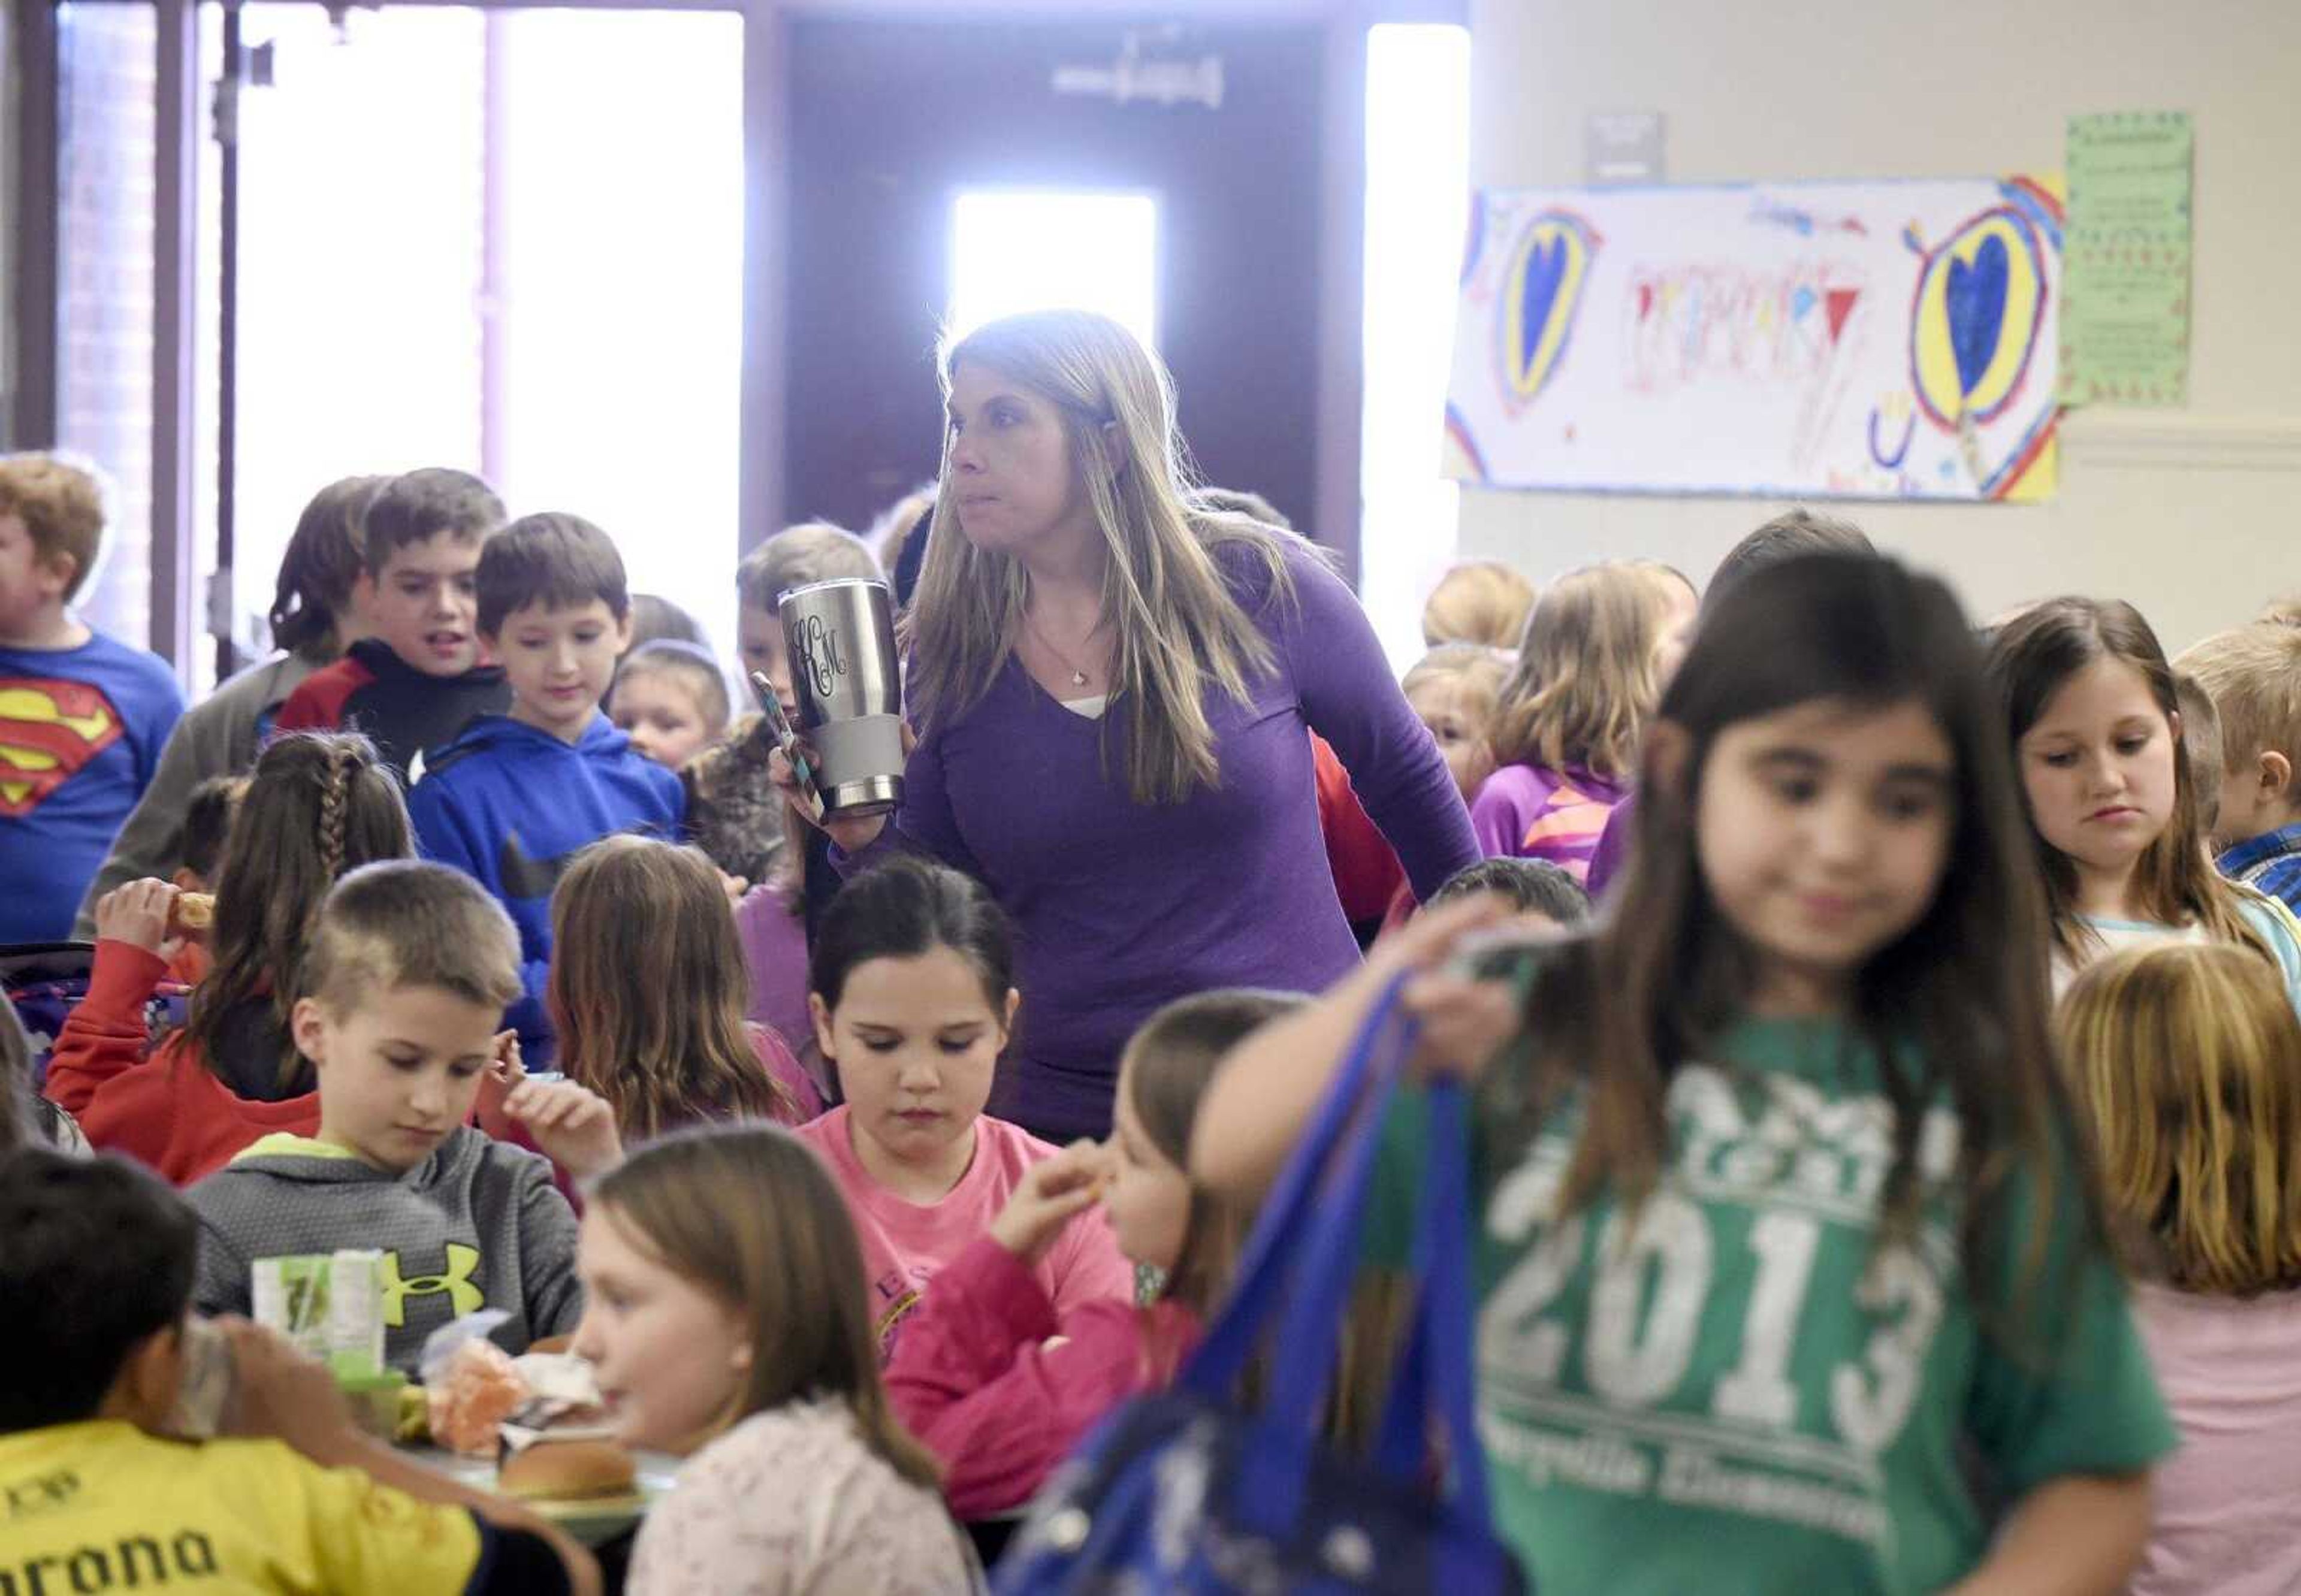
(1418, 135)
(1015, 250)
(450, 255)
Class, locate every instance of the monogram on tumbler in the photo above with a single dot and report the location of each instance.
(847, 679)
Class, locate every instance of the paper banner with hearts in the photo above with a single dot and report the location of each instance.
(1975, 319)
(1542, 291)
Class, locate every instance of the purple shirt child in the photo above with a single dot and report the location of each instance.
(1524, 812)
(1120, 908)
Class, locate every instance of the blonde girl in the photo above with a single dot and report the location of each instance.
(2092, 713)
(1479, 601)
(670, 699)
(2187, 1062)
(724, 1316)
(648, 990)
(1454, 689)
(1565, 734)
(1785, 1220)
(1113, 692)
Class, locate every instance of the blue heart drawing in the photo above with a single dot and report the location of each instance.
(1545, 270)
(1801, 302)
(1974, 300)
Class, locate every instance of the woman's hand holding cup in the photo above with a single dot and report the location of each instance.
(852, 833)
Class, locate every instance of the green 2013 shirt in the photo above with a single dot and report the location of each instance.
(1738, 1389)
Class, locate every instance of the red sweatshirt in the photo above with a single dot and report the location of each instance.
(1368, 875)
(974, 1379)
(166, 1110)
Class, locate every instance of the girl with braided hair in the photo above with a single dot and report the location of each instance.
(318, 805)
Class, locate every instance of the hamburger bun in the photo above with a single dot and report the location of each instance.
(567, 1470)
(191, 912)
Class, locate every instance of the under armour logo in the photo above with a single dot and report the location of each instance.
(463, 1296)
(524, 875)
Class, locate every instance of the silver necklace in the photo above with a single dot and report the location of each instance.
(1078, 677)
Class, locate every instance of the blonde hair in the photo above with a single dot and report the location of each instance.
(1177, 629)
(1583, 684)
(1668, 581)
(2186, 1059)
(1479, 601)
(1480, 670)
(690, 665)
(61, 507)
(750, 1216)
(409, 923)
(813, 551)
(647, 990)
(2284, 612)
(2253, 675)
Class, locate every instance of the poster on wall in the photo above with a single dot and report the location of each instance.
(1887, 339)
(2125, 299)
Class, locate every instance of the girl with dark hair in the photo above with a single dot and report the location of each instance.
(913, 998)
(2093, 714)
(312, 623)
(726, 1318)
(318, 805)
(1787, 1221)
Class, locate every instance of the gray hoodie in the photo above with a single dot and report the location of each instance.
(477, 1224)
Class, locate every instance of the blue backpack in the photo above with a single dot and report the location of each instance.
(1180, 1491)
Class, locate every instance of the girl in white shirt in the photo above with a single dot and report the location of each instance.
(726, 1318)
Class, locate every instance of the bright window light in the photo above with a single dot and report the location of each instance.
(1417, 197)
(1015, 250)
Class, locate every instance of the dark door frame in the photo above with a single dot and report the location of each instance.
(29, 419)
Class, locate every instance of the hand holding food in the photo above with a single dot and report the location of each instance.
(1050, 1193)
(140, 915)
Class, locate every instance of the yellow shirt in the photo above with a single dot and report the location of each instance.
(101, 1506)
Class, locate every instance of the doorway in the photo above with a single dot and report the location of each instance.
(893, 120)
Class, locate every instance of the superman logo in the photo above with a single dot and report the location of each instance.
(48, 730)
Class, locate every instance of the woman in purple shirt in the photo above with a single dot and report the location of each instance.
(1113, 695)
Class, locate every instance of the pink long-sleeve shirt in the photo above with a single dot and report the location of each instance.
(1001, 1388)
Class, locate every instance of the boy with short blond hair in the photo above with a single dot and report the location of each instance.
(410, 969)
(2254, 677)
(415, 684)
(83, 717)
(518, 795)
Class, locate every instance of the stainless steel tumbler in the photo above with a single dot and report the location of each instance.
(848, 679)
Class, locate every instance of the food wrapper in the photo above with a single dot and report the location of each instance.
(471, 1395)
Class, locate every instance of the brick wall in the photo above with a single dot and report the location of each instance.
(106, 94)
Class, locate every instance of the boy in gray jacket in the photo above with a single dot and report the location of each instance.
(409, 970)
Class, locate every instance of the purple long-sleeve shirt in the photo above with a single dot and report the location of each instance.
(1120, 908)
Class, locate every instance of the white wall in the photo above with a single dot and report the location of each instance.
(2194, 514)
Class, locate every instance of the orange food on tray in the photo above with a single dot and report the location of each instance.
(478, 1391)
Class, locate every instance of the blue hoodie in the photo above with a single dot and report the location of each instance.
(511, 807)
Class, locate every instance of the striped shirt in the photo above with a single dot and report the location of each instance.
(1524, 811)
